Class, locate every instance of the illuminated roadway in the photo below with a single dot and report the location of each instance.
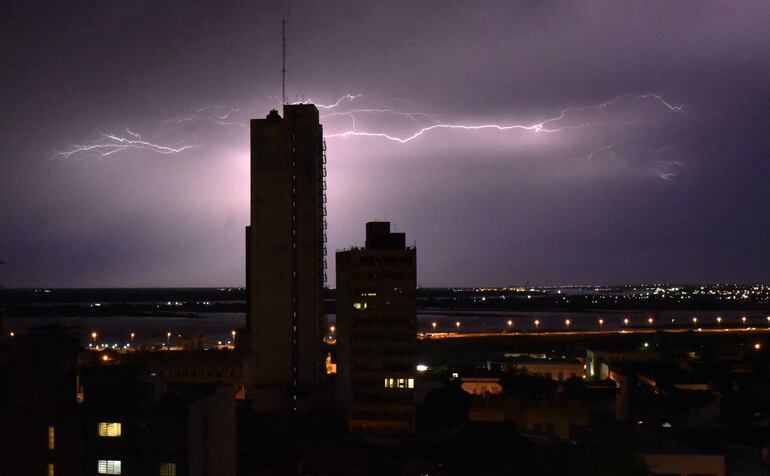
(473, 335)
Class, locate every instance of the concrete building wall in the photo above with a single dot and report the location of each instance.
(558, 371)
(212, 433)
(284, 249)
(376, 325)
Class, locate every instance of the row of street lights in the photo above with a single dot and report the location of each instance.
(95, 335)
(626, 322)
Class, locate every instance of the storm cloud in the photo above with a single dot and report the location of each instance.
(537, 143)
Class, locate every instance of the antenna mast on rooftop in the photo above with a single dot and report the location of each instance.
(283, 68)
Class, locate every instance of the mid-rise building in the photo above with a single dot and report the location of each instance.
(376, 332)
(285, 259)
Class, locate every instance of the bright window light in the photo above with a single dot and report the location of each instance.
(108, 466)
(110, 430)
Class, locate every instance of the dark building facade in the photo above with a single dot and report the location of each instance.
(376, 325)
(285, 258)
(39, 403)
(132, 424)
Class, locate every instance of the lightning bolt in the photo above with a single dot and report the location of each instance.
(667, 169)
(600, 150)
(546, 126)
(347, 97)
(214, 113)
(109, 144)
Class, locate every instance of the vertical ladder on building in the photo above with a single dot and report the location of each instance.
(323, 212)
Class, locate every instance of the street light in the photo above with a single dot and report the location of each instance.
(694, 321)
(650, 321)
(567, 323)
(743, 319)
(719, 321)
(458, 326)
(168, 337)
(601, 323)
(510, 324)
(433, 324)
(537, 325)
(625, 322)
(94, 335)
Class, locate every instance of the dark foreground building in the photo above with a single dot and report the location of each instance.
(63, 415)
(285, 258)
(376, 321)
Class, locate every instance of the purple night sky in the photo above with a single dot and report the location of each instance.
(633, 141)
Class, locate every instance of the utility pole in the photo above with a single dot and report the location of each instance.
(283, 64)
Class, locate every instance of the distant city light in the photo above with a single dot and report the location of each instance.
(422, 367)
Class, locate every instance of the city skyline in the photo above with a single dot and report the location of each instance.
(524, 144)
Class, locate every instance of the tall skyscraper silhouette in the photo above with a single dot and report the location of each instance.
(377, 332)
(285, 258)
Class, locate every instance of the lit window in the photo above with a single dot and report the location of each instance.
(51, 437)
(110, 430)
(168, 469)
(108, 466)
(399, 383)
(50, 469)
(359, 305)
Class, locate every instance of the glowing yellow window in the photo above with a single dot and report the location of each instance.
(51, 437)
(110, 429)
(168, 469)
(359, 305)
(50, 469)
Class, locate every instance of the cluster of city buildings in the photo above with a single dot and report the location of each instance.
(79, 411)
(74, 410)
